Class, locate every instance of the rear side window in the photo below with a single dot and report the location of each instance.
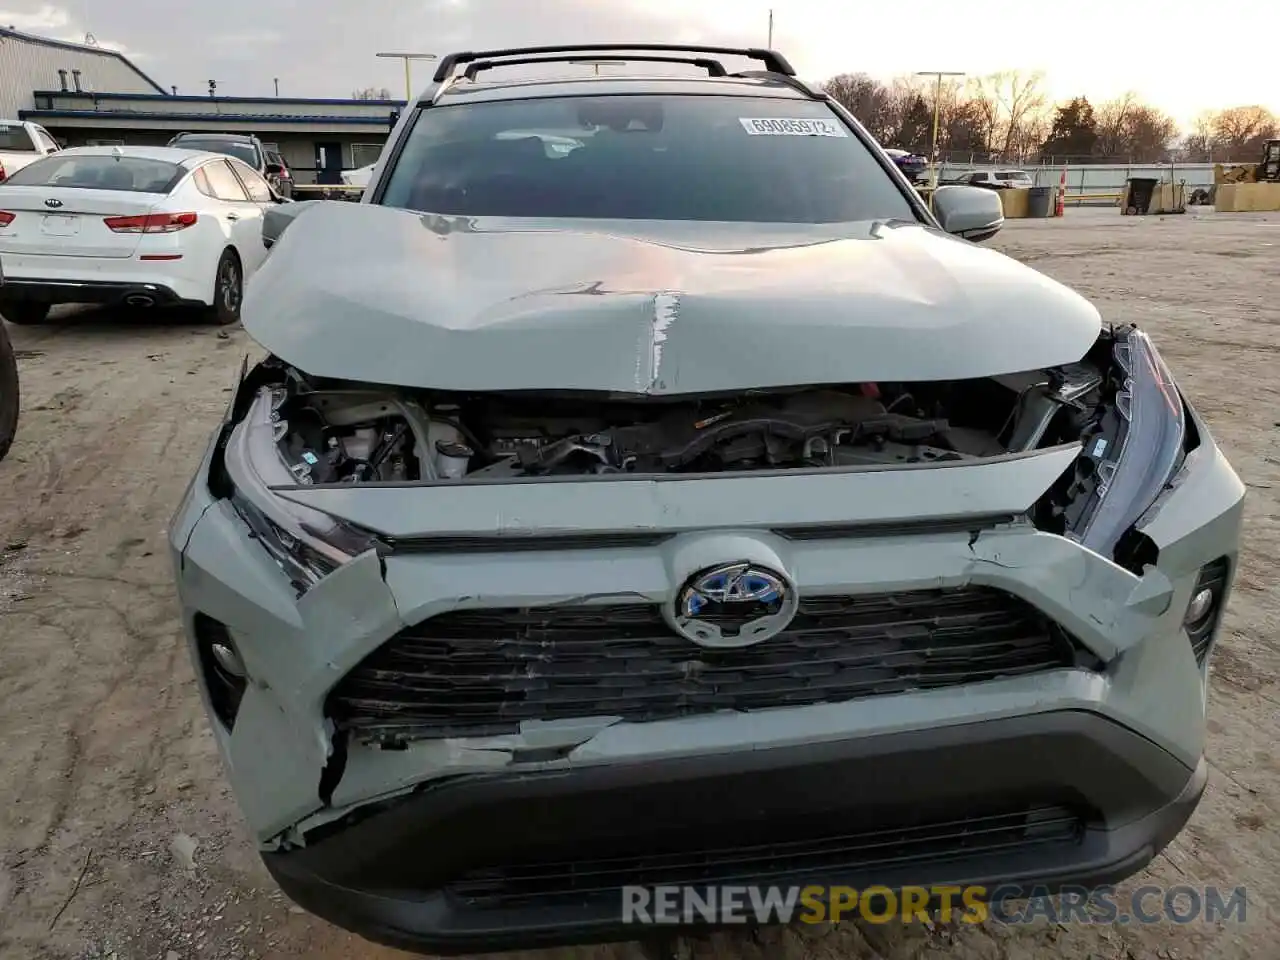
(129, 174)
(220, 183)
(1012, 175)
(705, 158)
(259, 189)
(14, 137)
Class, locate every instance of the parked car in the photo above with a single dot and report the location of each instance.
(22, 143)
(246, 148)
(140, 226)
(358, 177)
(913, 165)
(279, 175)
(693, 503)
(992, 179)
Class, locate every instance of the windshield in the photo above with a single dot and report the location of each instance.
(1013, 175)
(241, 151)
(15, 139)
(706, 158)
(131, 174)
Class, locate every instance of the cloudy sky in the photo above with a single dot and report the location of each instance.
(325, 48)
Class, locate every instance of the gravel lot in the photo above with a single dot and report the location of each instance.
(112, 801)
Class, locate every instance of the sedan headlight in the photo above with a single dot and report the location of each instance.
(307, 543)
(1139, 447)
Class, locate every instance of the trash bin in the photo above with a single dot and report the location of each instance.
(1138, 193)
(1040, 203)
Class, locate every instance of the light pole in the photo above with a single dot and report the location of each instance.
(937, 102)
(770, 45)
(597, 64)
(406, 57)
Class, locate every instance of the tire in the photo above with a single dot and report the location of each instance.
(228, 290)
(8, 393)
(24, 313)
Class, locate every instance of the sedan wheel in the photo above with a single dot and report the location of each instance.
(228, 290)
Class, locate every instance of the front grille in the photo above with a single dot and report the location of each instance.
(790, 857)
(484, 672)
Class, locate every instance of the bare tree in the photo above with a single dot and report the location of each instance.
(1239, 132)
(1026, 109)
(1129, 129)
(866, 99)
(371, 93)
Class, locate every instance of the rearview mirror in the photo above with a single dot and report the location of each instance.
(969, 212)
(277, 218)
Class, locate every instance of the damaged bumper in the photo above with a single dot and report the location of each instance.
(521, 829)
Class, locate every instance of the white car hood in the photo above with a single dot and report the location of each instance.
(363, 292)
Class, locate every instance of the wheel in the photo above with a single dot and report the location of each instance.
(24, 312)
(8, 393)
(228, 290)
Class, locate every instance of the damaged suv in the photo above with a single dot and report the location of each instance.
(644, 487)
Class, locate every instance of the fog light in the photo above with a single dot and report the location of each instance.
(230, 661)
(1201, 606)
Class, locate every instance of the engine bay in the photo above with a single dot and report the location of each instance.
(339, 432)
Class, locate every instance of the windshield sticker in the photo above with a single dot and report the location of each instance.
(770, 127)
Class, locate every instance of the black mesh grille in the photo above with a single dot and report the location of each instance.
(790, 857)
(483, 672)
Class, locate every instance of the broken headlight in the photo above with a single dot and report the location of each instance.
(307, 543)
(1138, 447)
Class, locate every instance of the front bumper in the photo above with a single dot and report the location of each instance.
(518, 860)
(393, 842)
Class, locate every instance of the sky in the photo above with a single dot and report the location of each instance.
(325, 48)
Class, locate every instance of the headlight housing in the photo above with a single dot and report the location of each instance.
(1139, 446)
(307, 543)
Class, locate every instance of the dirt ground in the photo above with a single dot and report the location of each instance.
(118, 836)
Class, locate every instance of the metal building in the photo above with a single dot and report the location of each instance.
(89, 95)
(29, 63)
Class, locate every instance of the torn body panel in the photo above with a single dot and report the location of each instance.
(424, 547)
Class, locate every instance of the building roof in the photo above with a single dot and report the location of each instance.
(10, 33)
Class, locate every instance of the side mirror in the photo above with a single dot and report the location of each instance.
(277, 219)
(969, 212)
(275, 170)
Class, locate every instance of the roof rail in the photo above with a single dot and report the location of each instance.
(791, 81)
(714, 68)
(773, 61)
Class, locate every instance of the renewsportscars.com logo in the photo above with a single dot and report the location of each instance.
(680, 905)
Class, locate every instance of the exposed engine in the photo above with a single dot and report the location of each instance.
(334, 433)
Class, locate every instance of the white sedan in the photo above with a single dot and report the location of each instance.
(140, 226)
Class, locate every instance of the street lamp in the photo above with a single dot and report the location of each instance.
(406, 57)
(597, 64)
(937, 101)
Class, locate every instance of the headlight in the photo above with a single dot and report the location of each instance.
(307, 543)
(1139, 448)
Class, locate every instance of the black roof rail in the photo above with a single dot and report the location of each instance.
(714, 68)
(790, 80)
(773, 61)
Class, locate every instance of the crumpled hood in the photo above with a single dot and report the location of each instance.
(369, 293)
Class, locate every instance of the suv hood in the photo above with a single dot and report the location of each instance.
(369, 293)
